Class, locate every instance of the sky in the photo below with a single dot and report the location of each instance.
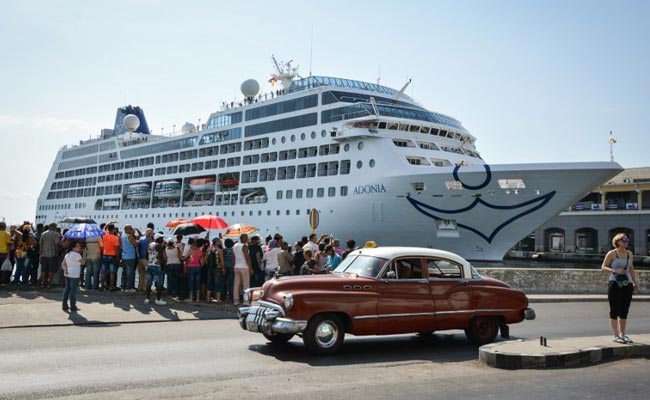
(533, 81)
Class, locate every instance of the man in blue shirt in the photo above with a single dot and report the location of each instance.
(143, 244)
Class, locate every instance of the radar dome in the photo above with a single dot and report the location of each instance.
(131, 122)
(188, 128)
(250, 88)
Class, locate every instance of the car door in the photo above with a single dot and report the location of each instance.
(451, 293)
(405, 303)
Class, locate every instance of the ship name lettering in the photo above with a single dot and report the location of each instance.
(368, 189)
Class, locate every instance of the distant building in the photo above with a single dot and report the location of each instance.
(622, 205)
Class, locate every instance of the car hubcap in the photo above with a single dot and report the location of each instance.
(326, 334)
(485, 326)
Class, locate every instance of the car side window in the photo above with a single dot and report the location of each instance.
(409, 268)
(439, 268)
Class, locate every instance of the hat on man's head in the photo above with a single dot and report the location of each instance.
(158, 236)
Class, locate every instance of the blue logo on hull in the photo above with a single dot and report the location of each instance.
(436, 212)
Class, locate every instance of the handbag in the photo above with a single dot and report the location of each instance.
(6, 266)
(621, 280)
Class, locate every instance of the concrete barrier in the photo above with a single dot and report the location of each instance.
(559, 280)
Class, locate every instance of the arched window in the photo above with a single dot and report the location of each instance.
(554, 240)
(587, 241)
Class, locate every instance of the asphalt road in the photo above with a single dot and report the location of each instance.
(216, 359)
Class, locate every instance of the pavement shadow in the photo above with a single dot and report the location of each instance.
(125, 302)
(440, 347)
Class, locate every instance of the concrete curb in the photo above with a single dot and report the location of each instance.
(503, 355)
(571, 298)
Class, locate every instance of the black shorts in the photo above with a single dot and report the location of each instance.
(620, 299)
(49, 264)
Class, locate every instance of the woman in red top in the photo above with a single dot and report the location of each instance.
(194, 259)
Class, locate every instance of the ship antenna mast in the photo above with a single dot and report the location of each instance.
(284, 72)
(401, 91)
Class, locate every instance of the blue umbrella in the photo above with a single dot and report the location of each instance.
(83, 231)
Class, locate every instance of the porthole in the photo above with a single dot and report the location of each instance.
(372, 163)
(273, 141)
(268, 212)
(323, 133)
(359, 164)
(293, 138)
(346, 147)
(313, 135)
(259, 213)
(360, 146)
(283, 139)
(302, 136)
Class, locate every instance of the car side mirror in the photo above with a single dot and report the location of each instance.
(390, 275)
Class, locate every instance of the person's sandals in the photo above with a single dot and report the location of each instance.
(619, 339)
(627, 339)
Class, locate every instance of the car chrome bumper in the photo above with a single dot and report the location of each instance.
(529, 314)
(268, 318)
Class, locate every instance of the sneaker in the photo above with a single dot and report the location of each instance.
(627, 339)
(66, 309)
(160, 302)
(75, 309)
(146, 301)
(619, 340)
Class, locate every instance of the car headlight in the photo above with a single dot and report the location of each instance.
(247, 296)
(288, 301)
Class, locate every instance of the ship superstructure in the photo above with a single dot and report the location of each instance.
(374, 163)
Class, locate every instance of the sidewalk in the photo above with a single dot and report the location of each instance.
(561, 353)
(42, 307)
(568, 298)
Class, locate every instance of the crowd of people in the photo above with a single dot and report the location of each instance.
(187, 268)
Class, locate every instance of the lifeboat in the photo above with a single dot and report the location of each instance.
(167, 189)
(200, 185)
(228, 182)
(138, 191)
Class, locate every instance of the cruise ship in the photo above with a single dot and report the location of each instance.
(359, 159)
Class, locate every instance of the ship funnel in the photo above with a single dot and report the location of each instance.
(124, 121)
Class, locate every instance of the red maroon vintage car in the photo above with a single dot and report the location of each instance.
(383, 291)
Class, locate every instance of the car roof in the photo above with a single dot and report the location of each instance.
(389, 252)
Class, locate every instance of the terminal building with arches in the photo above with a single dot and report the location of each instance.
(622, 205)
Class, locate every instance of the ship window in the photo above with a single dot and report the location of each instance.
(311, 170)
(372, 163)
(259, 213)
(344, 190)
(265, 157)
(345, 167)
(346, 147)
(277, 212)
(282, 173)
(298, 193)
(291, 172)
(418, 186)
(302, 171)
(289, 194)
(512, 184)
(278, 195)
(268, 212)
(425, 129)
(414, 128)
(302, 136)
(333, 168)
(454, 185)
(283, 140)
(310, 193)
(313, 135)
(288, 212)
(323, 133)
(331, 191)
(273, 141)
(359, 164)
(360, 146)
(443, 133)
(320, 192)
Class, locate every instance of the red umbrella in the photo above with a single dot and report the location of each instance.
(210, 222)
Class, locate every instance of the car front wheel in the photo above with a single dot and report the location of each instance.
(482, 330)
(324, 334)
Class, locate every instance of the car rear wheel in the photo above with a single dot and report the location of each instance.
(482, 330)
(278, 338)
(324, 334)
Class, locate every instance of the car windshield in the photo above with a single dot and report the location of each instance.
(361, 265)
